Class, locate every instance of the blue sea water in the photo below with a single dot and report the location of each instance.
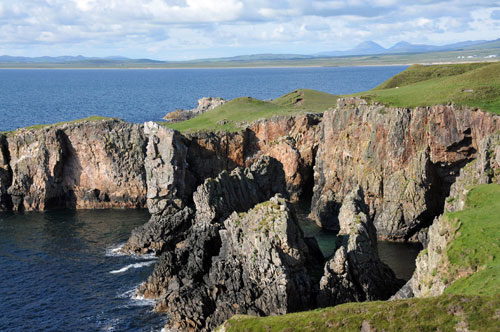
(58, 272)
(31, 96)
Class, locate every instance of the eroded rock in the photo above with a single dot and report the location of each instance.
(430, 271)
(355, 273)
(404, 159)
(80, 165)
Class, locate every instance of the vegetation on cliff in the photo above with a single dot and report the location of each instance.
(470, 302)
(247, 109)
(443, 313)
(474, 252)
(473, 84)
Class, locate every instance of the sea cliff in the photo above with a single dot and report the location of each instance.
(221, 220)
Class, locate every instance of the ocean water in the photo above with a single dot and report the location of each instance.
(58, 272)
(31, 96)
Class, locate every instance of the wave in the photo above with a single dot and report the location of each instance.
(133, 266)
(116, 252)
(136, 300)
(110, 252)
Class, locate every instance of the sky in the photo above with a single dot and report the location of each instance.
(194, 29)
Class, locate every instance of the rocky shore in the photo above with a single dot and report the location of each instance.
(221, 220)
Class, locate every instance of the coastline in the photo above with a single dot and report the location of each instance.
(424, 63)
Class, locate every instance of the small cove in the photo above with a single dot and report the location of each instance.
(399, 256)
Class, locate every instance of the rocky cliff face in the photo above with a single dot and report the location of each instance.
(181, 278)
(5, 175)
(292, 140)
(404, 159)
(428, 278)
(76, 165)
(355, 272)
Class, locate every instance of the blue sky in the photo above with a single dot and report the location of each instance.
(189, 29)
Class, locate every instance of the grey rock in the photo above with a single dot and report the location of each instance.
(5, 175)
(355, 273)
(180, 280)
(160, 233)
(169, 181)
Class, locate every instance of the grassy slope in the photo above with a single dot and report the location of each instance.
(476, 85)
(246, 109)
(471, 301)
(476, 245)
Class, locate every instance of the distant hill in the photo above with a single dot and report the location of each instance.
(402, 47)
(259, 57)
(67, 59)
(365, 48)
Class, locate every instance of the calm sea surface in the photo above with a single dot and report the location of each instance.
(29, 97)
(58, 270)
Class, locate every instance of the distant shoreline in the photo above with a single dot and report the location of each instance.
(426, 63)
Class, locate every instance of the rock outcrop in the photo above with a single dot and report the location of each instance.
(260, 269)
(170, 183)
(5, 175)
(404, 159)
(214, 201)
(430, 271)
(355, 272)
(204, 104)
(87, 165)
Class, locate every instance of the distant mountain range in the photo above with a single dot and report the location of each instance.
(371, 48)
(365, 48)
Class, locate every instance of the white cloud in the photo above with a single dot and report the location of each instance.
(186, 28)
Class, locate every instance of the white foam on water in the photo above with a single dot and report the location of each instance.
(136, 300)
(133, 266)
(115, 251)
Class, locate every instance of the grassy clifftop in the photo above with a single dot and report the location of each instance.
(247, 109)
(475, 85)
(470, 84)
(471, 302)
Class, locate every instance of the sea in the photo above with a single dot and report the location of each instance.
(61, 270)
(30, 96)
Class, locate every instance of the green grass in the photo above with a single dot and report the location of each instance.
(41, 126)
(247, 109)
(472, 300)
(474, 85)
(476, 245)
(443, 313)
